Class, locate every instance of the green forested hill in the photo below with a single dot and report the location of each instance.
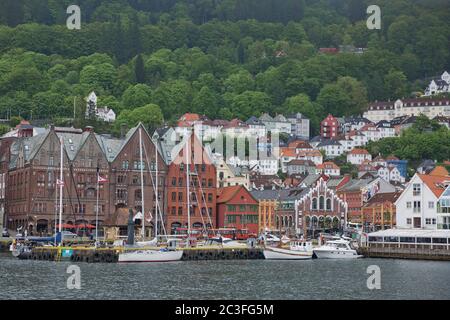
(224, 58)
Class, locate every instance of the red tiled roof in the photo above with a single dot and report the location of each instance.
(359, 151)
(190, 117)
(327, 165)
(227, 193)
(435, 183)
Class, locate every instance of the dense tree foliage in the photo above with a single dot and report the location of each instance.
(426, 139)
(223, 58)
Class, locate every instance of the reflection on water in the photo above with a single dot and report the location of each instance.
(256, 279)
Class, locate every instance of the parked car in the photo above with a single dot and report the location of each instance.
(69, 235)
(5, 233)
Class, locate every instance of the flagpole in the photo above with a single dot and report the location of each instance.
(96, 210)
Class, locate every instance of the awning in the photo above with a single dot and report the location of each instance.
(66, 226)
(85, 226)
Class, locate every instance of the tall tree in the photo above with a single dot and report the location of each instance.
(139, 69)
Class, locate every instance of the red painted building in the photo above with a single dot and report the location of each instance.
(330, 127)
(237, 208)
(202, 187)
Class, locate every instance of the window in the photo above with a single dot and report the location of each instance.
(430, 205)
(231, 218)
(210, 183)
(408, 221)
(180, 211)
(428, 221)
(180, 196)
(174, 196)
(314, 204)
(210, 197)
(416, 189)
(416, 206)
(408, 204)
(174, 182)
(174, 211)
(321, 203)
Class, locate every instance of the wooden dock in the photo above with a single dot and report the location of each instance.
(111, 255)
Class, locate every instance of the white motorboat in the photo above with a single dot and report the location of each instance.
(336, 249)
(162, 255)
(297, 251)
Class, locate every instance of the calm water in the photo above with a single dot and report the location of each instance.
(258, 279)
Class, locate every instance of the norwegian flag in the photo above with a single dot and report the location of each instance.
(101, 179)
(150, 218)
(59, 183)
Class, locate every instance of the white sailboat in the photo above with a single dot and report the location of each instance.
(152, 255)
(298, 250)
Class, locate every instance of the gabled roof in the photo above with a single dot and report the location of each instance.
(356, 151)
(329, 142)
(227, 194)
(439, 171)
(379, 198)
(435, 183)
(328, 165)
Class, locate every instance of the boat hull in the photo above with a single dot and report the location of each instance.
(285, 254)
(150, 256)
(336, 254)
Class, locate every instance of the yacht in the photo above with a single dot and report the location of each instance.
(298, 250)
(138, 253)
(336, 249)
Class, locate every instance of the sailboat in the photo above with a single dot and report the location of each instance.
(151, 255)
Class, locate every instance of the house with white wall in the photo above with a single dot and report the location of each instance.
(417, 205)
(358, 156)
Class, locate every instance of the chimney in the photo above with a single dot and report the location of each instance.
(52, 127)
(88, 129)
(123, 130)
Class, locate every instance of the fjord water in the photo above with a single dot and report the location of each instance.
(257, 279)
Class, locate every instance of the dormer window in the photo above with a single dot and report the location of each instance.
(70, 141)
(27, 148)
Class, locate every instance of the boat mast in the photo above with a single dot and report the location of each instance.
(142, 184)
(156, 193)
(188, 191)
(61, 186)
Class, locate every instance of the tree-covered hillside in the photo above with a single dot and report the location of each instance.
(224, 58)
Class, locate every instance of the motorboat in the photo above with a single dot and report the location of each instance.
(298, 250)
(336, 249)
(162, 255)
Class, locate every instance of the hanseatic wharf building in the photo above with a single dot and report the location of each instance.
(31, 165)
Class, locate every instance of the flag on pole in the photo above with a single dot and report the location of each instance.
(101, 179)
(150, 218)
(59, 183)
